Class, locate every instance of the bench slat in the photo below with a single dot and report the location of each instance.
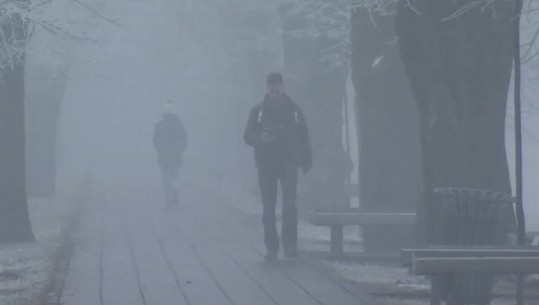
(480, 251)
(348, 218)
(490, 265)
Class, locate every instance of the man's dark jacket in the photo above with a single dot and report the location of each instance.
(287, 142)
(170, 140)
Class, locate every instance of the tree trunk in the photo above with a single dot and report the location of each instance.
(319, 87)
(459, 70)
(14, 220)
(44, 101)
(389, 151)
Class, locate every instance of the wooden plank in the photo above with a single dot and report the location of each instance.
(119, 276)
(482, 247)
(199, 286)
(317, 285)
(120, 284)
(336, 277)
(490, 265)
(157, 281)
(245, 247)
(268, 277)
(340, 218)
(462, 251)
(83, 278)
(236, 284)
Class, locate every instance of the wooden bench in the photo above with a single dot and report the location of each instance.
(336, 220)
(440, 260)
(408, 256)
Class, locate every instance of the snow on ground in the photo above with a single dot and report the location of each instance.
(393, 285)
(26, 269)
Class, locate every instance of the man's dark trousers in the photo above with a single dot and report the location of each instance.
(268, 177)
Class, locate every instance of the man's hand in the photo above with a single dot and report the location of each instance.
(267, 137)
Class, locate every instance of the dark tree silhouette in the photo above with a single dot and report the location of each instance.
(43, 103)
(389, 151)
(459, 66)
(14, 220)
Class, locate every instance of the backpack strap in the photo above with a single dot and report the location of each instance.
(260, 114)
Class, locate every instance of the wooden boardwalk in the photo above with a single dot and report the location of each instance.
(196, 254)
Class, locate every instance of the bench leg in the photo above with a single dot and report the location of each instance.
(436, 283)
(337, 239)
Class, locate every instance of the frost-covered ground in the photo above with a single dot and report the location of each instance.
(26, 269)
(393, 285)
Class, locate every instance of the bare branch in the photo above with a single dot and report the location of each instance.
(96, 13)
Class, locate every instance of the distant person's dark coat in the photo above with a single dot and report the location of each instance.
(170, 140)
(278, 132)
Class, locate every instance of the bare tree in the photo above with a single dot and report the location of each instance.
(14, 220)
(46, 81)
(18, 19)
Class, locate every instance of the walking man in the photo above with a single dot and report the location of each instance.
(277, 130)
(170, 141)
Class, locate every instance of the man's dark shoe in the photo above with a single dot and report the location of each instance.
(291, 253)
(271, 255)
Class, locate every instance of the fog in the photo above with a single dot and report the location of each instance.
(104, 73)
(120, 80)
(124, 60)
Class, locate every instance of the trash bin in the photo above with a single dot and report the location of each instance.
(470, 217)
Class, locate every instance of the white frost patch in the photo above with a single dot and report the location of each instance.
(25, 269)
(377, 61)
(317, 238)
(387, 278)
(374, 273)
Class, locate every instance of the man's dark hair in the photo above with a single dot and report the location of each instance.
(275, 79)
